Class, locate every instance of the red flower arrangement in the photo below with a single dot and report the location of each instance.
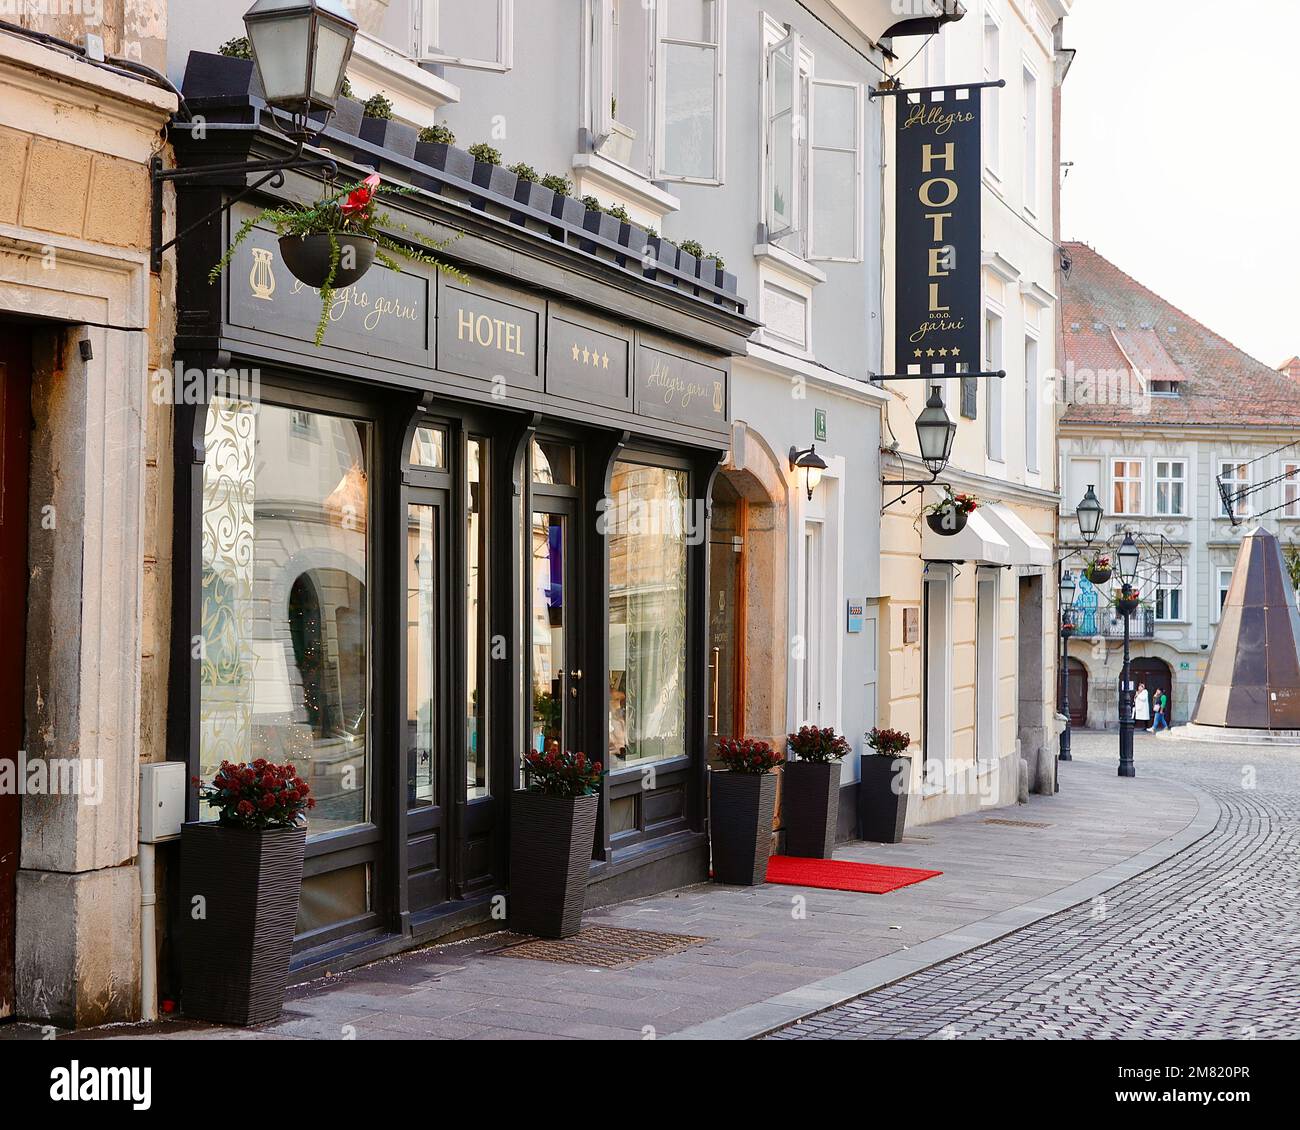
(961, 502)
(747, 755)
(361, 199)
(819, 745)
(561, 773)
(258, 795)
(888, 743)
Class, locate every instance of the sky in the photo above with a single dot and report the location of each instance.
(1183, 123)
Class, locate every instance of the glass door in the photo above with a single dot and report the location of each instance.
(556, 680)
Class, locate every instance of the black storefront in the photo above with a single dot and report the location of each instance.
(470, 523)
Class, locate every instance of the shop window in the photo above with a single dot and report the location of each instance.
(478, 643)
(553, 463)
(647, 613)
(656, 84)
(429, 448)
(333, 897)
(285, 617)
(423, 553)
(549, 543)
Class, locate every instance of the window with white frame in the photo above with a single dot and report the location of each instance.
(1031, 403)
(654, 86)
(477, 34)
(1169, 593)
(810, 626)
(1291, 490)
(1126, 486)
(812, 154)
(1171, 487)
(1235, 477)
(993, 385)
(992, 103)
(1029, 127)
(1225, 583)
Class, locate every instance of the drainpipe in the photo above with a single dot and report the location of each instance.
(148, 941)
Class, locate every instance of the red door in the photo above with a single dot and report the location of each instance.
(15, 425)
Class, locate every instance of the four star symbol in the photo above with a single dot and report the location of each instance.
(593, 357)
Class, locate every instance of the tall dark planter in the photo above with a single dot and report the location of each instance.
(810, 807)
(550, 853)
(741, 807)
(235, 957)
(882, 812)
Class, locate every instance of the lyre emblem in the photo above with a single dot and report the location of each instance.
(261, 278)
(717, 397)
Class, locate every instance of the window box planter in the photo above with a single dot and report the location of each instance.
(810, 807)
(397, 137)
(551, 840)
(308, 259)
(741, 808)
(535, 196)
(882, 797)
(348, 116)
(495, 178)
(235, 953)
(947, 522)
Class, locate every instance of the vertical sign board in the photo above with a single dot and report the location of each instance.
(937, 236)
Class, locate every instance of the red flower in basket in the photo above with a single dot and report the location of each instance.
(360, 198)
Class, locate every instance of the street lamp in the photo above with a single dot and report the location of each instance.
(1067, 588)
(1126, 604)
(935, 432)
(301, 49)
(1089, 514)
(811, 464)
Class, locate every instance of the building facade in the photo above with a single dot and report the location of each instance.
(967, 661)
(1160, 410)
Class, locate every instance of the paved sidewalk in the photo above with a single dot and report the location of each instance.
(763, 945)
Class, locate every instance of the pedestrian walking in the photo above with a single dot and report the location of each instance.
(1161, 721)
(1142, 706)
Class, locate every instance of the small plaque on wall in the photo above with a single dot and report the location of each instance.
(856, 614)
(911, 625)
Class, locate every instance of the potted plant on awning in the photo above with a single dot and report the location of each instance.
(1098, 570)
(241, 876)
(883, 789)
(811, 791)
(742, 803)
(948, 516)
(333, 243)
(552, 830)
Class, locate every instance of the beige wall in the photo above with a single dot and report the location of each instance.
(130, 29)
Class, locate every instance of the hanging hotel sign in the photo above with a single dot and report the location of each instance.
(937, 233)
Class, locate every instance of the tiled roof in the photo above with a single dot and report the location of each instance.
(1111, 323)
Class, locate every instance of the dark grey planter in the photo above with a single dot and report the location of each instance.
(212, 75)
(741, 808)
(947, 522)
(714, 275)
(537, 197)
(308, 258)
(235, 955)
(569, 210)
(348, 116)
(397, 137)
(810, 801)
(882, 811)
(551, 839)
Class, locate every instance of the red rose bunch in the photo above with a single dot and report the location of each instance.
(888, 743)
(813, 744)
(360, 200)
(258, 795)
(747, 755)
(561, 773)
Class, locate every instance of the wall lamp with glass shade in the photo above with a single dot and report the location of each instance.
(1067, 590)
(1127, 561)
(811, 464)
(301, 49)
(1089, 514)
(935, 432)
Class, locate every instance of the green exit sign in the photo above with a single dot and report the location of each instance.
(819, 424)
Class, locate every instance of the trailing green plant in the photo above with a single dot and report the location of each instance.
(817, 744)
(378, 106)
(351, 210)
(692, 247)
(560, 185)
(748, 755)
(238, 48)
(482, 151)
(438, 134)
(524, 171)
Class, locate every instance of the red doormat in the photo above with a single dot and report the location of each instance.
(841, 875)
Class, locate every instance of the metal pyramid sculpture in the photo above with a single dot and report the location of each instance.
(1253, 678)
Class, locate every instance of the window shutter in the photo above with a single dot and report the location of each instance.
(477, 34)
(689, 90)
(784, 94)
(835, 176)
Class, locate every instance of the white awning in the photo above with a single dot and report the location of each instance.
(978, 542)
(1027, 548)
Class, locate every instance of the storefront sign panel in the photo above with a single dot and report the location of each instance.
(937, 257)
(587, 361)
(671, 387)
(490, 335)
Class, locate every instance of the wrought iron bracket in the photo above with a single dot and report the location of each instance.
(914, 486)
(877, 377)
(211, 174)
(875, 92)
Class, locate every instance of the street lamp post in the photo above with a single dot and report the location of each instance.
(1126, 603)
(1067, 589)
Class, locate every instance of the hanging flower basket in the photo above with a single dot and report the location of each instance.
(948, 516)
(1127, 603)
(1098, 570)
(309, 257)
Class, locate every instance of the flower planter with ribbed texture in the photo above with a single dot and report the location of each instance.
(741, 807)
(551, 839)
(239, 907)
(882, 797)
(810, 798)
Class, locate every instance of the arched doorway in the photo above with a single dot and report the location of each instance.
(1076, 675)
(1157, 676)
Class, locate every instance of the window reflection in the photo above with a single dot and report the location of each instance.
(547, 631)
(422, 551)
(285, 616)
(478, 642)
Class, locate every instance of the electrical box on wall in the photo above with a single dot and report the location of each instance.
(162, 800)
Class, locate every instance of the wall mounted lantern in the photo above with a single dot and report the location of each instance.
(811, 464)
(935, 431)
(1089, 514)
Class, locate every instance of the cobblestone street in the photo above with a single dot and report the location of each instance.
(1202, 946)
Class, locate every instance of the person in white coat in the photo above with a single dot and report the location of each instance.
(1142, 707)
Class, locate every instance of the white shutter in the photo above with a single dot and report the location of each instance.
(689, 81)
(599, 70)
(478, 34)
(783, 95)
(835, 174)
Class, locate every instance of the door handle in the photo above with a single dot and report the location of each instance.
(577, 675)
(715, 665)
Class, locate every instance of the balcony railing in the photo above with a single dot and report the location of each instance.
(1104, 623)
